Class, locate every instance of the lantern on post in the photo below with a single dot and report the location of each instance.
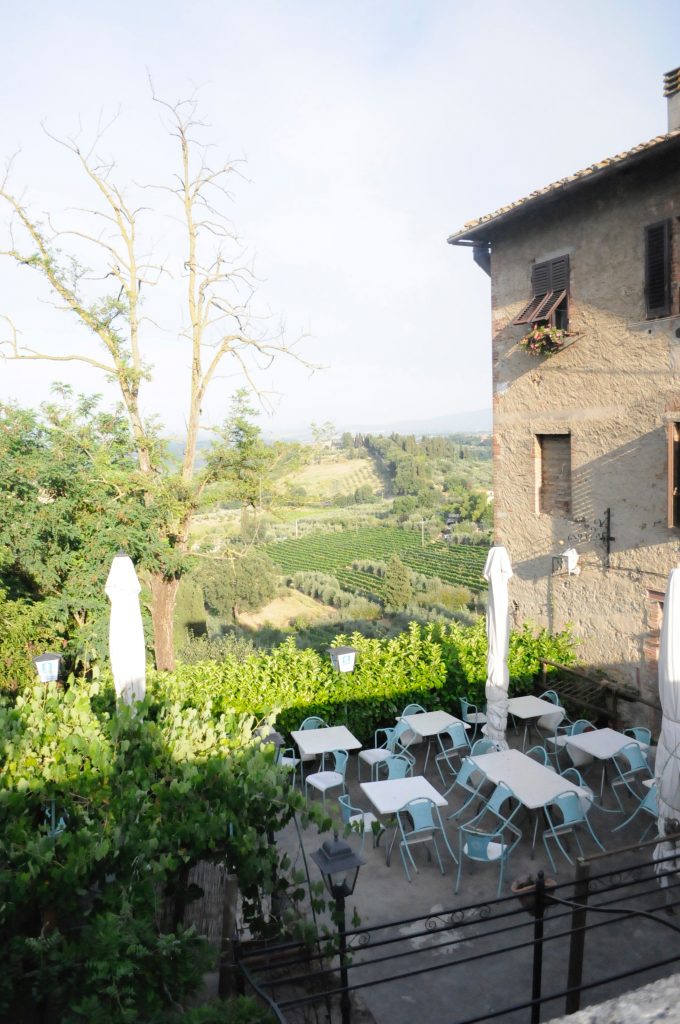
(47, 667)
(343, 658)
(339, 866)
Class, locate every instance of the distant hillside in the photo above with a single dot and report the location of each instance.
(479, 421)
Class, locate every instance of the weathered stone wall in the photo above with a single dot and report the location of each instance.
(611, 389)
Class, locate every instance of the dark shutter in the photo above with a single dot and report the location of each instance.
(658, 268)
(559, 274)
(549, 287)
(540, 278)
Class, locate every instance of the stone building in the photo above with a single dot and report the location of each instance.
(586, 441)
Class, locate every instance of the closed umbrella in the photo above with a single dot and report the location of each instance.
(497, 571)
(127, 651)
(667, 764)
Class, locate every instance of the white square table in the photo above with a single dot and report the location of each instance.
(533, 784)
(315, 742)
(601, 744)
(426, 724)
(389, 796)
(528, 707)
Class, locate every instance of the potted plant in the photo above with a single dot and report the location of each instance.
(543, 340)
(525, 891)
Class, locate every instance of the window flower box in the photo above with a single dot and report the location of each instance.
(542, 340)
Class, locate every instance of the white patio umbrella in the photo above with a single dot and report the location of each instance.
(667, 764)
(497, 571)
(127, 651)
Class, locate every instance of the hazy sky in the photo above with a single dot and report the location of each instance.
(371, 130)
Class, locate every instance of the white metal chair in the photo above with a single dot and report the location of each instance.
(328, 779)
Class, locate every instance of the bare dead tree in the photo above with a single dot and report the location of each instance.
(217, 286)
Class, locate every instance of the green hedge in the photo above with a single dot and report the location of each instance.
(298, 683)
(432, 665)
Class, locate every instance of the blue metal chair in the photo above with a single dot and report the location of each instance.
(329, 779)
(359, 821)
(649, 804)
(539, 754)
(550, 695)
(642, 734)
(471, 780)
(486, 847)
(419, 821)
(632, 767)
(391, 744)
(564, 814)
(471, 715)
(398, 766)
(287, 758)
(483, 746)
(413, 709)
(453, 741)
(312, 722)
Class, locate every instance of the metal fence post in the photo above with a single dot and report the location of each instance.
(537, 973)
(577, 939)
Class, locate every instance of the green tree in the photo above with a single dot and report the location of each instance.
(238, 583)
(72, 496)
(397, 589)
(126, 255)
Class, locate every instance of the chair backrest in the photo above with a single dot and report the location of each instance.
(497, 799)
(630, 760)
(640, 733)
(539, 754)
(413, 709)
(466, 708)
(569, 806)
(347, 810)
(398, 766)
(422, 813)
(313, 722)
(551, 696)
(457, 734)
(483, 746)
(340, 758)
(579, 726)
(587, 797)
(393, 741)
(470, 776)
(477, 843)
(651, 802)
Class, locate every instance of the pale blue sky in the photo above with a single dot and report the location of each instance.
(371, 131)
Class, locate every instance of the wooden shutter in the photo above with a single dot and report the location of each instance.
(559, 274)
(658, 268)
(673, 480)
(540, 278)
(555, 478)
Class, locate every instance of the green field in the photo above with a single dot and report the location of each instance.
(456, 564)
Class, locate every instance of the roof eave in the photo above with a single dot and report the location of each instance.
(481, 233)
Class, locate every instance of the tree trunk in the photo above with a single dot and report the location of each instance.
(163, 597)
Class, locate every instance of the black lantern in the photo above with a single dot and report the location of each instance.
(339, 866)
(47, 667)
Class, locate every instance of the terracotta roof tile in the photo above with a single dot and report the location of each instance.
(602, 166)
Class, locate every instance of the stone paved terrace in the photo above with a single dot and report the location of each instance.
(456, 992)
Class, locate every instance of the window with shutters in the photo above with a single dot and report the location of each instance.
(549, 295)
(658, 269)
(553, 475)
(674, 474)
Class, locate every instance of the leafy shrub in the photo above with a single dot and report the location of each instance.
(214, 648)
(101, 817)
(23, 634)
